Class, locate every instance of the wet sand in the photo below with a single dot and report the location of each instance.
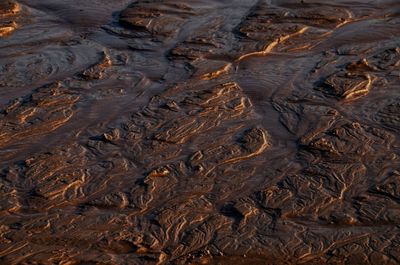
(199, 132)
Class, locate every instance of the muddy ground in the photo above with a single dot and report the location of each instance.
(199, 132)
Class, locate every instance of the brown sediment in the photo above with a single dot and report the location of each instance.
(8, 11)
(96, 71)
(7, 28)
(43, 111)
(347, 86)
(199, 132)
(9, 8)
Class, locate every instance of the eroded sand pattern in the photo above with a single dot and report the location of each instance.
(199, 132)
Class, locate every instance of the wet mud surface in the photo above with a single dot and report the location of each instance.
(199, 132)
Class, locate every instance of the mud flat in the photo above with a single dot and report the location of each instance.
(199, 132)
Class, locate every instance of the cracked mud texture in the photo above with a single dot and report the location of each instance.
(199, 132)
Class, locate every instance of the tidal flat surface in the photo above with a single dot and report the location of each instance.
(199, 132)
